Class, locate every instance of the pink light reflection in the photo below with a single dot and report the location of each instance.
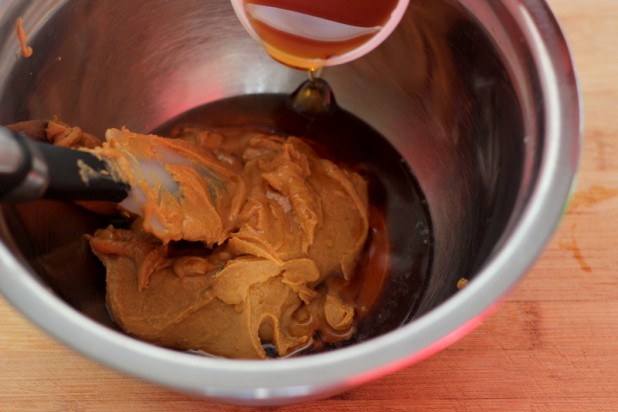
(186, 91)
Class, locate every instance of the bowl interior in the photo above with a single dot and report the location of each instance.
(440, 90)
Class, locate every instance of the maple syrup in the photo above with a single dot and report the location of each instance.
(310, 34)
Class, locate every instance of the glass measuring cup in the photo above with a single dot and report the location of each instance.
(310, 35)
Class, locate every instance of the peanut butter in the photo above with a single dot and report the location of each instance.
(248, 244)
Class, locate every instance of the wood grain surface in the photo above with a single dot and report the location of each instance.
(552, 346)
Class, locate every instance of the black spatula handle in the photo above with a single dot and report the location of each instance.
(31, 170)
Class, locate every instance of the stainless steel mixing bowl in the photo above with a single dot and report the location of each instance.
(479, 96)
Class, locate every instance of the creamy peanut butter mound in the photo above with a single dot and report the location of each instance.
(246, 239)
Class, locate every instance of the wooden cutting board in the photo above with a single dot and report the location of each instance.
(552, 346)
